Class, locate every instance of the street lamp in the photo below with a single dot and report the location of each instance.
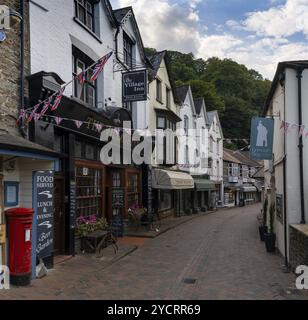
(8, 18)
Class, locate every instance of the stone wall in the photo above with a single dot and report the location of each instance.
(298, 247)
(10, 71)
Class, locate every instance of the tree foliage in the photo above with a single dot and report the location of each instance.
(231, 88)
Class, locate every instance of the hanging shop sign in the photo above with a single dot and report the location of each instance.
(261, 139)
(44, 195)
(135, 86)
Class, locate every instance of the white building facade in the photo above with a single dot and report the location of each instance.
(286, 177)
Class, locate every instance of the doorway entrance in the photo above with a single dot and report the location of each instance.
(59, 218)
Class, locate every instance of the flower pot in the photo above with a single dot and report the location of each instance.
(262, 231)
(270, 241)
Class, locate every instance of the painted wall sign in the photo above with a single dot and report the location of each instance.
(261, 139)
(135, 86)
(72, 204)
(44, 191)
(118, 198)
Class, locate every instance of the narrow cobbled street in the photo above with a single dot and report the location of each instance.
(216, 256)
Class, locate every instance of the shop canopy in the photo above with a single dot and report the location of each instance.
(172, 180)
(204, 184)
(249, 189)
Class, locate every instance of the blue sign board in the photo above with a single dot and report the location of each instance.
(261, 139)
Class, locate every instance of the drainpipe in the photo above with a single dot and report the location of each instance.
(116, 48)
(285, 221)
(300, 146)
(21, 126)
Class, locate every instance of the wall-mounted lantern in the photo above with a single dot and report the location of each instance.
(8, 19)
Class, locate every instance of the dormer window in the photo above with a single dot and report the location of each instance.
(85, 13)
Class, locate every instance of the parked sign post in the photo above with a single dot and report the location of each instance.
(261, 139)
(135, 86)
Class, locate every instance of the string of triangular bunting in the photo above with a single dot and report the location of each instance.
(79, 124)
(288, 127)
(53, 101)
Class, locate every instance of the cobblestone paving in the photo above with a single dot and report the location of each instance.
(217, 256)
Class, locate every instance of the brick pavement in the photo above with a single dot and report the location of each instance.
(221, 252)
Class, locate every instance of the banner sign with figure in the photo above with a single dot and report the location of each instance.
(261, 139)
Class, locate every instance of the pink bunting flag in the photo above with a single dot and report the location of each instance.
(98, 127)
(286, 126)
(32, 114)
(46, 106)
(282, 124)
(58, 120)
(301, 130)
(37, 117)
(58, 99)
(78, 123)
(22, 115)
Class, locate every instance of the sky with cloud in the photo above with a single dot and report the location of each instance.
(257, 33)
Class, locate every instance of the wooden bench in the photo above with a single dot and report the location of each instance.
(96, 241)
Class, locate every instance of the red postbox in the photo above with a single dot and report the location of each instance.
(20, 245)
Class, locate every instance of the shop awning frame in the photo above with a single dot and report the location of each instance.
(171, 180)
(249, 189)
(204, 184)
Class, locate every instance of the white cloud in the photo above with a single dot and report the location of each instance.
(170, 26)
(280, 21)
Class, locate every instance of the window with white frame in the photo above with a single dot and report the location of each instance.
(85, 13)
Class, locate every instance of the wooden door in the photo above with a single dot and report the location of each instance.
(59, 218)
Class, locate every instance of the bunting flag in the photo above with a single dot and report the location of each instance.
(58, 120)
(100, 66)
(22, 115)
(32, 114)
(37, 117)
(301, 130)
(81, 77)
(98, 127)
(45, 107)
(58, 100)
(78, 123)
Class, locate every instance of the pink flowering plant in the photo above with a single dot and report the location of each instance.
(88, 224)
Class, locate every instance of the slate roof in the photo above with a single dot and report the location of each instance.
(181, 92)
(198, 104)
(298, 64)
(121, 13)
(156, 61)
(17, 143)
(229, 156)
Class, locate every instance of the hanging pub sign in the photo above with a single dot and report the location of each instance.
(261, 138)
(44, 198)
(135, 86)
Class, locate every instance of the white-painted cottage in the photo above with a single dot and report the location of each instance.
(286, 177)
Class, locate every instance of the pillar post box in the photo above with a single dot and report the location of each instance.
(20, 245)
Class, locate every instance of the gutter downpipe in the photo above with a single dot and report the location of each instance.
(285, 221)
(21, 126)
(300, 146)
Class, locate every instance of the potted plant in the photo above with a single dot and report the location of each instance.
(84, 226)
(263, 227)
(270, 237)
